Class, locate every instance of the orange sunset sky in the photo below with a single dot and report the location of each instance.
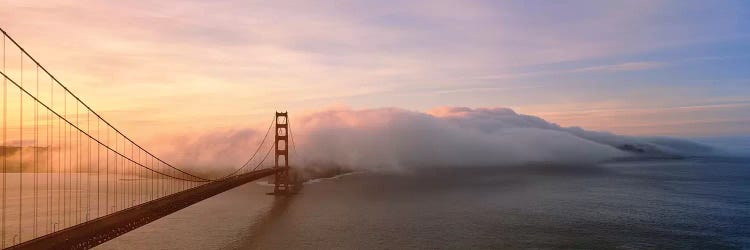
(645, 68)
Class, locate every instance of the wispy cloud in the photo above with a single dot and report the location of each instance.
(628, 66)
(618, 67)
(723, 117)
(222, 58)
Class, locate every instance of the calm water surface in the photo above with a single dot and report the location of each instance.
(696, 203)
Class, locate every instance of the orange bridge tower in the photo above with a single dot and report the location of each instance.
(282, 182)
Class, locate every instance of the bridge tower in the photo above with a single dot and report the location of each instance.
(282, 182)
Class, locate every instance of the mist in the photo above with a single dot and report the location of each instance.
(393, 139)
(212, 152)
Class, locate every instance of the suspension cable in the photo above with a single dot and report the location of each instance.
(92, 137)
(260, 145)
(92, 110)
(291, 137)
(264, 159)
(117, 153)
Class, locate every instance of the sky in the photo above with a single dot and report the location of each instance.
(677, 68)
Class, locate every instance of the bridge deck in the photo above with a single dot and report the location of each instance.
(95, 232)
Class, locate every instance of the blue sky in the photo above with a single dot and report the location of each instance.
(631, 67)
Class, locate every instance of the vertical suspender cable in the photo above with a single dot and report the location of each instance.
(20, 160)
(78, 169)
(36, 146)
(49, 167)
(59, 168)
(114, 184)
(5, 146)
(106, 191)
(65, 165)
(88, 168)
(98, 170)
(133, 178)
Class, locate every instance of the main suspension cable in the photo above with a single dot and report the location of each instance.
(291, 138)
(260, 145)
(23, 90)
(92, 110)
(264, 159)
(118, 132)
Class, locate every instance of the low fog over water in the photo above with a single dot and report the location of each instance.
(393, 139)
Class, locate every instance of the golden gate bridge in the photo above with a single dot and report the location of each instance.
(72, 180)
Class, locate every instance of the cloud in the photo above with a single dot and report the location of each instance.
(206, 57)
(393, 139)
(214, 151)
(710, 118)
(628, 66)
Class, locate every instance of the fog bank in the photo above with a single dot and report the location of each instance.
(391, 138)
(398, 139)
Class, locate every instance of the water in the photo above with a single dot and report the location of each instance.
(43, 203)
(695, 203)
